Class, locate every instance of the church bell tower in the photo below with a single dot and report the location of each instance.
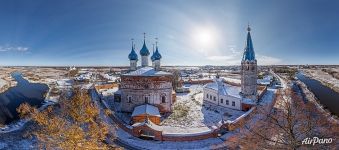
(249, 70)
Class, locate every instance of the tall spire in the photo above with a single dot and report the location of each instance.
(249, 51)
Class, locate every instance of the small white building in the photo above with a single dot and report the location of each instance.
(222, 94)
(266, 80)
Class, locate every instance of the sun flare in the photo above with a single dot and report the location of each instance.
(204, 37)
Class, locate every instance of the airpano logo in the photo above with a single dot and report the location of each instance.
(316, 140)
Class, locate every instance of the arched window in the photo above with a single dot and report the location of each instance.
(163, 99)
(129, 99)
(207, 95)
(146, 99)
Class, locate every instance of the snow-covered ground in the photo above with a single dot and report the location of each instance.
(2, 82)
(199, 118)
(233, 80)
(128, 139)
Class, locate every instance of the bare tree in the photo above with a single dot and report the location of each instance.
(176, 79)
(286, 126)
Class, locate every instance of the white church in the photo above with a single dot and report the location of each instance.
(219, 93)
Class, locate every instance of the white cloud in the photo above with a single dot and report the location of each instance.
(13, 48)
(235, 59)
(220, 58)
(224, 60)
(268, 60)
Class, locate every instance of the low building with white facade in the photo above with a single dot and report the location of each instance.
(222, 94)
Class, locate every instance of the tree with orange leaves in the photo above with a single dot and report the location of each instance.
(72, 124)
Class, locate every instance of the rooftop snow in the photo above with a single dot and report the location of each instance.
(248, 101)
(146, 109)
(224, 89)
(147, 71)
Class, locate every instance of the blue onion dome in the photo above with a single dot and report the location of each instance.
(144, 51)
(156, 55)
(152, 57)
(133, 55)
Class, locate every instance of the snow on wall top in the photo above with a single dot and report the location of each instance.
(148, 123)
(147, 71)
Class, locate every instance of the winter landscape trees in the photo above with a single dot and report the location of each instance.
(287, 125)
(72, 124)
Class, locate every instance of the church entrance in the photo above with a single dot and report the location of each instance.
(146, 135)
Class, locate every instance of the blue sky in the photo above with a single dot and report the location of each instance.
(190, 32)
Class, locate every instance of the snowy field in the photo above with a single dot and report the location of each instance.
(198, 118)
(233, 80)
(2, 83)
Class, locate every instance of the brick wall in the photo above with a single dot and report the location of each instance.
(240, 121)
(212, 134)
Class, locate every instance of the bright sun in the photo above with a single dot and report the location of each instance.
(204, 38)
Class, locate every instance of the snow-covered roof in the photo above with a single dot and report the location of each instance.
(107, 92)
(65, 82)
(263, 81)
(248, 101)
(146, 109)
(224, 89)
(147, 71)
(117, 92)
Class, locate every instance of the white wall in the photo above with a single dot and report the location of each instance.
(230, 98)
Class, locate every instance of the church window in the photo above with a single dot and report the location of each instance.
(163, 99)
(233, 103)
(214, 98)
(206, 95)
(146, 99)
(210, 97)
(227, 102)
(221, 100)
(129, 98)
